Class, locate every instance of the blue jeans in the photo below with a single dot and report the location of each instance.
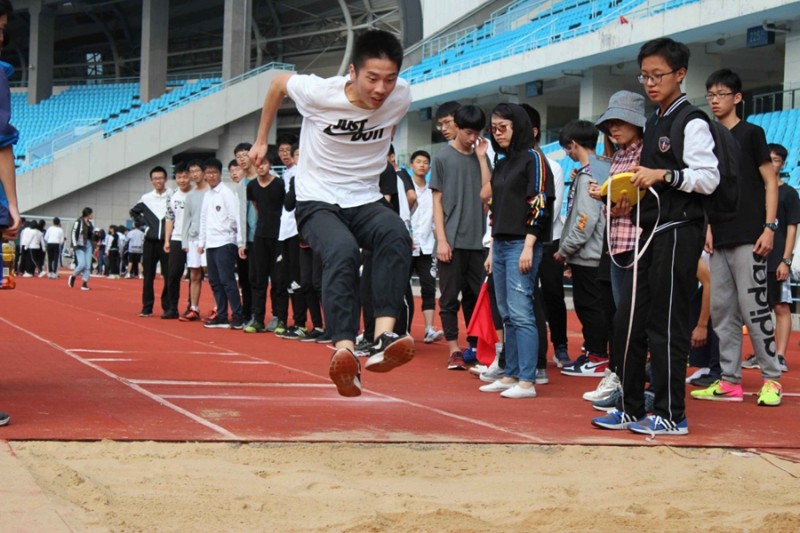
(222, 278)
(514, 292)
(83, 261)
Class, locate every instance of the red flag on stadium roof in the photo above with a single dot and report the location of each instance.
(623, 20)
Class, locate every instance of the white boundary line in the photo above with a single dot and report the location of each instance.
(265, 398)
(446, 414)
(158, 399)
(225, 383)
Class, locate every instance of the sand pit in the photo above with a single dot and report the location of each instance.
(147, 486)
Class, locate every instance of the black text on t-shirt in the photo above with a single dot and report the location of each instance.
(354, 128)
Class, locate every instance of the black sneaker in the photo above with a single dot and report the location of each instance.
(313, 335)
(364, 348)
(4, 419)
(237, 323)
(389, 352)
(293, 333)
(85, 287)
(705, 381)
(345, 372)
(71, 281)
(217, 323)
(170, 315)
(324, 338)
(144, 313)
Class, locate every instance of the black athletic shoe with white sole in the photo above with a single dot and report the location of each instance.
(389, 352)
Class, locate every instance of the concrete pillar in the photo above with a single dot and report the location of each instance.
(236, 38)
(42, 39)
(791, 70)
(597, 86)
(701, 65)
(155, 27)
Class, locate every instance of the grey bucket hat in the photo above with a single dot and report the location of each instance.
(626, 106)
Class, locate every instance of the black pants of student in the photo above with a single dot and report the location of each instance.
(53, 257)
(177, 264)
(263, 254)
(667, 278)
(421, 266)
(311, 280)
(245, 288)
(551, 276)
(403, 323)
(706, 355)
(113, 262)
(287, 283)
(541, 326)
(589, 306)
(607, 304)
(36, 260)
(337, 233)
(462, 275)
(154, 254)
(221, 277)
(134, 259)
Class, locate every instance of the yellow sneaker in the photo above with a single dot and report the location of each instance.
(770, 393)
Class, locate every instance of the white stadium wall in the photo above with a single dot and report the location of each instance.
(437, 14)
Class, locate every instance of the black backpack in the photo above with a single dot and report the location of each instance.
(723, 204)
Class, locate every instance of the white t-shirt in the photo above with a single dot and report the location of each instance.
(54, 235)
(344, 146)
(288, 222)
(176, 204)
(558, 183)
(422, 221)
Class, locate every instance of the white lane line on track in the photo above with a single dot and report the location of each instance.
(441, 412)
(86, 350)
(266, 398)
(110, 359)
(228, 383)
(158, 399)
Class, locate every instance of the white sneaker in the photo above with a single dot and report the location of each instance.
(605, 388)
(42, 274)
(433, 335)
(517, 392)
(478, 369)
(497, 386)
(493, 373)
(27, 275)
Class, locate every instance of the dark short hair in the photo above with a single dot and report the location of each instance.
(779, 150)
(87, 211)
(6, 8)
(56, 221)
(242, 147)
(286, 138)
(470, 117)
(447, 109)
(727, 78)
(418, 153)
(377, 44)
(212, 162)
(180, 166)
(391, 149)
(582, 132)
(233, 163)
(295, 147)
(156, 169)
(536, 120)
(194, 163)
(674, 53)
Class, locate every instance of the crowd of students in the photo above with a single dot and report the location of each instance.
(645, 296)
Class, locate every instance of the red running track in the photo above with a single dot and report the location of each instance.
(83, 366)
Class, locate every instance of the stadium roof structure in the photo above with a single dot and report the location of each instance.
(102, 38)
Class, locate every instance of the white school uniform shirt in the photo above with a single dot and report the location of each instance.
(35, 240)
(54, 235)
(288, 221)
(422, 221)
(344, 146)
(558, 186)
(219, 218)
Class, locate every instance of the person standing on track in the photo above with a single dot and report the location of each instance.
(347, 128)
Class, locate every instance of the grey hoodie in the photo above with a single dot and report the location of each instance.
(582, 236)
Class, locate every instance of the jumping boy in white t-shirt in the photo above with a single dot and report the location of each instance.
(347, 129)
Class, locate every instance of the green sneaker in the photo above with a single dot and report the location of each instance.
(770, 394)
(280, 328)
(255, 327)
(293, 333)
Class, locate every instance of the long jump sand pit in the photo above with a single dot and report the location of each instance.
(148, 486)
